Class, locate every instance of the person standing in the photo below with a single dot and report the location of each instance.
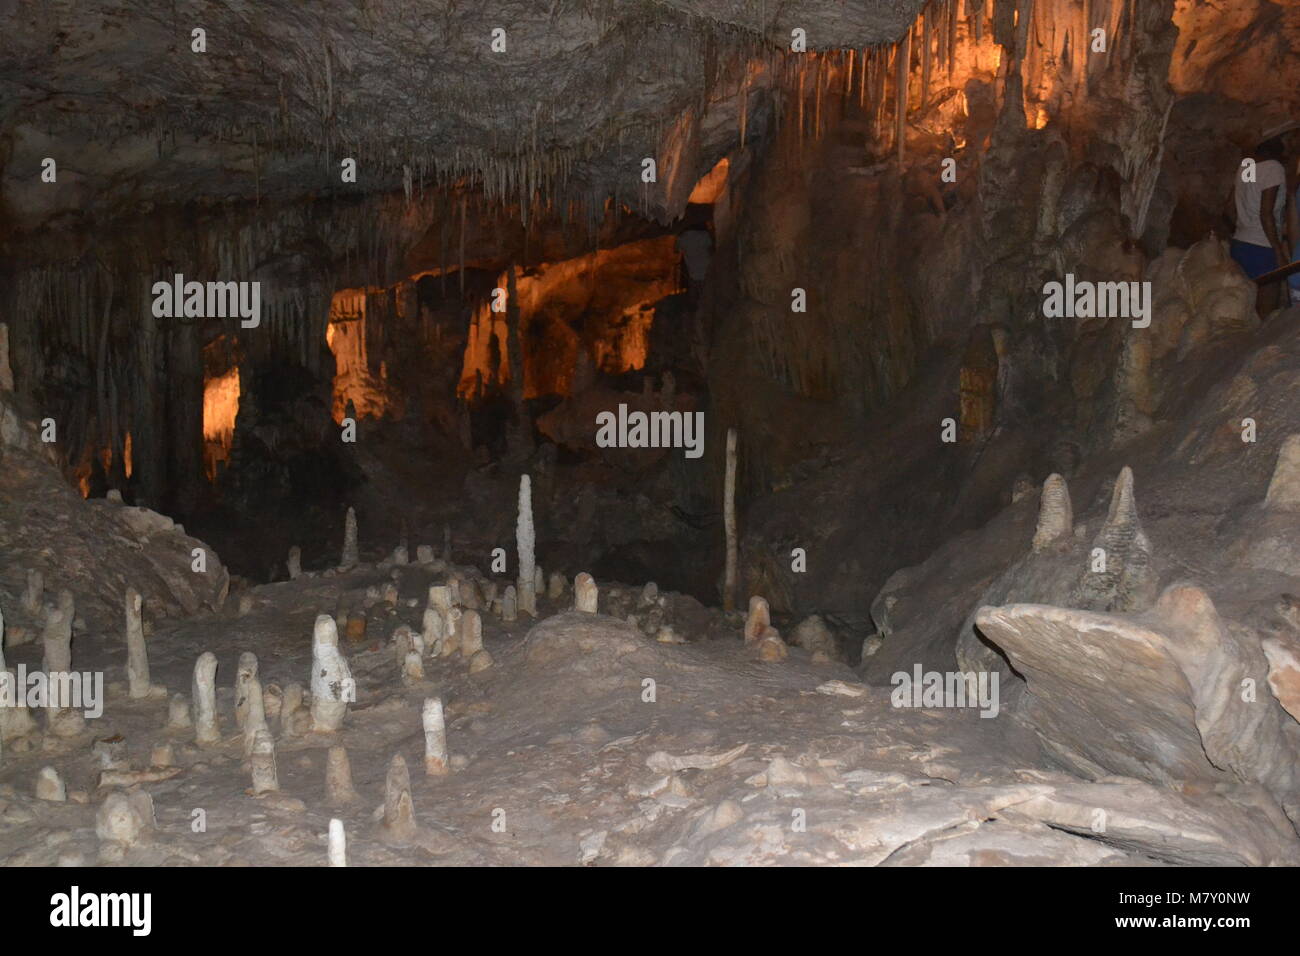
(1258, 243)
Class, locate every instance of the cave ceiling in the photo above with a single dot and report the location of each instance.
(411, 89)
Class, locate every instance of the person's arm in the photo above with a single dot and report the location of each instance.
(1267, 200)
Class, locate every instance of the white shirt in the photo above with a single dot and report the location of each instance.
(1268, 174)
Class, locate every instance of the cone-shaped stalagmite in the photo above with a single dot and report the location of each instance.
(1055, 514)
(338, 778)
(1119, 576)
(585, 594)
(758, 620)
(398, 826)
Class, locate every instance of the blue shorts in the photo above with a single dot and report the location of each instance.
(1256, 260)
(1294, 280)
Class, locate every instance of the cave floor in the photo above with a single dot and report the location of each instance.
(553, 748)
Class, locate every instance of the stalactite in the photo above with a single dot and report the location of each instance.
(927, 36)
(952, 38)
(903, 57)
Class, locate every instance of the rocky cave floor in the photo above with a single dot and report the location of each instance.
(556, 734)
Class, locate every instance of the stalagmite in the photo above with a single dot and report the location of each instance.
(524, 542)
(481, 661)
(539, 587)
(424, 554)
(245, 673)
(255, 713)
(510, 605)
(1284, 488)
(15, 721)
(137, 656)
(409, 648)
(435, 738)
(124, 817)
(338, 778)
(34, 593)
(399, 812)
(1055, 514)
(178, 713)
(203, 695)
(556, 585)
(758, 620)
(440, 597)
(471, 634)
(729, 525)
(338, 846)
(262, 763)
(1124, 580)
(49, 786)
(62, 718)
(451, 626)
(770, 647)
(295, 719)
(295, 562)
(585, 594)
(349, 558)
(331, 678)
(432, 631)
(56, 636)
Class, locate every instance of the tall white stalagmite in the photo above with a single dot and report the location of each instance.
(338, 844)
(331, 678)
(435, 738)
(525, 540)
(137, 655)
(729, 525)
(203, 698)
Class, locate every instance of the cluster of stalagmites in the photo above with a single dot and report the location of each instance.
(1108, 648)
(267, 716)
